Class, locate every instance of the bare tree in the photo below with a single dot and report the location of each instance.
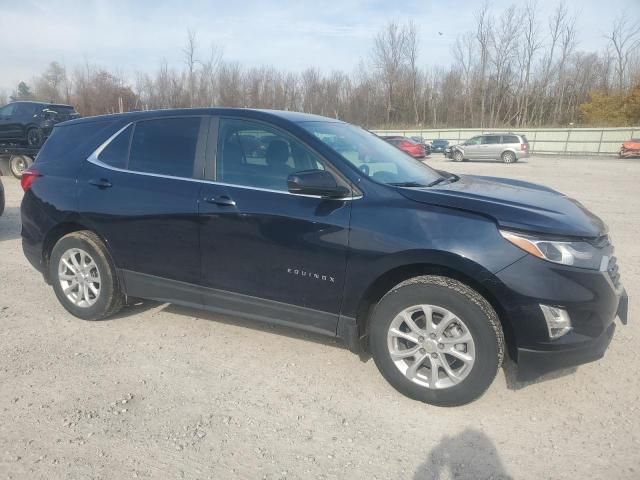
(625, 39)
(484, 27)
(388, 58)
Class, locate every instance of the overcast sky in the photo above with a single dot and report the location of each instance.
(291, 34)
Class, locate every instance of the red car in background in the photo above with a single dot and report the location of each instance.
(408, 146)
(630, 148)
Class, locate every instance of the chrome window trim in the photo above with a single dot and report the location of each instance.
(94, 158)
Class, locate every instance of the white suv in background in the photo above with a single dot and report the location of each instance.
(508, 147)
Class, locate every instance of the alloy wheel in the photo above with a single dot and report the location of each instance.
(79, 277)
(431, 346)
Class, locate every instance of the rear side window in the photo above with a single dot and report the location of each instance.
(64, 141)
(165, 146)
(115, 154)
(510, 139)
(490, 139)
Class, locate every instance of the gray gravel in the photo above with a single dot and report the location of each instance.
(170, 392)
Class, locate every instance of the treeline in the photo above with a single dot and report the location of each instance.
(517, 67)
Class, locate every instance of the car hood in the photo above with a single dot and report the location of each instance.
(513, 204)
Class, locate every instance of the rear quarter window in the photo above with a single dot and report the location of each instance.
(510, 139)
(72, 141)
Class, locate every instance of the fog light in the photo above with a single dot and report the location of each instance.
(558, 321)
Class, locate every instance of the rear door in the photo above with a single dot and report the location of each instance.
(140, 192)
(490, 146)
(266, 252)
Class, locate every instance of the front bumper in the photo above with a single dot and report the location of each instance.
(591, 298)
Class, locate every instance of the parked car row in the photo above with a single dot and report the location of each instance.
(508, 147)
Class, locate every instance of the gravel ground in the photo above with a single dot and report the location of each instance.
(169, 392)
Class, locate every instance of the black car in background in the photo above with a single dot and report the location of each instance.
(439, 145)
(422, 141)
(30, 123)
(328, 229)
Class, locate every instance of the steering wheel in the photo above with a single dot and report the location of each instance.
(364, 168)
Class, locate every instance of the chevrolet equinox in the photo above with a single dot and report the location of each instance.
(311, 222)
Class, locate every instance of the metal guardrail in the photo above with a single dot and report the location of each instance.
(563, 141)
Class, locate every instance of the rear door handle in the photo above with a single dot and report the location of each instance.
(222, 200)
(100, 182)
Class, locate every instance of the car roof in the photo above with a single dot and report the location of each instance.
(34, 102)
(249, 113)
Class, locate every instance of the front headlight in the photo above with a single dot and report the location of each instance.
(574, 253)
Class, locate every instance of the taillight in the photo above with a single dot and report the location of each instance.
(523, 146)
(27, 179)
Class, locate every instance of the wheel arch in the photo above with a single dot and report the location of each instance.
(59, 231)
(465, 271)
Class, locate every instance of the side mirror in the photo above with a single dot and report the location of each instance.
(316, 182)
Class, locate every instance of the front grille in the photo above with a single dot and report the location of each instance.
(613, 272)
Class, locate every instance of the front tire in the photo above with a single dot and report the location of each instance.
(35, 137)
(84, 277)
(436, 340)
(458, 156)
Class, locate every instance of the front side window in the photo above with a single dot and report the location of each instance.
(254, 155)
(473, 141)
(375, 157)
(165, 146)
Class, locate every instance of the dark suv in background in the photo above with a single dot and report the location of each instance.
(307, 221)
(30, 123)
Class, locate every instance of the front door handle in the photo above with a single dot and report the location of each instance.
(222, 200)
(100, 182)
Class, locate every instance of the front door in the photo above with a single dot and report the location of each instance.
(472, 148)
(268, 253)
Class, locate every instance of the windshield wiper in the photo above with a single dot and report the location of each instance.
(408, 184)
(438, 181)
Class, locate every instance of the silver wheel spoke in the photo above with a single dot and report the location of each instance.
(433, 375)
(409, 352)
(428, 318)
(446, 321)
(407, 336)
(448, 370)
(464, 338)
(466, 358)
(71, 287)
(411, 324)
(66, 263)
(413, 368)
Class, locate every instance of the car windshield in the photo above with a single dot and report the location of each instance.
(376, 158)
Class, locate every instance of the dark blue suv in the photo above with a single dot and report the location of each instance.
(259, 214)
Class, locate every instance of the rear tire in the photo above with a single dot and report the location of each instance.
(470, 319)
(18, 164)
(84, 277)
(35, 137)
(508, 157)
